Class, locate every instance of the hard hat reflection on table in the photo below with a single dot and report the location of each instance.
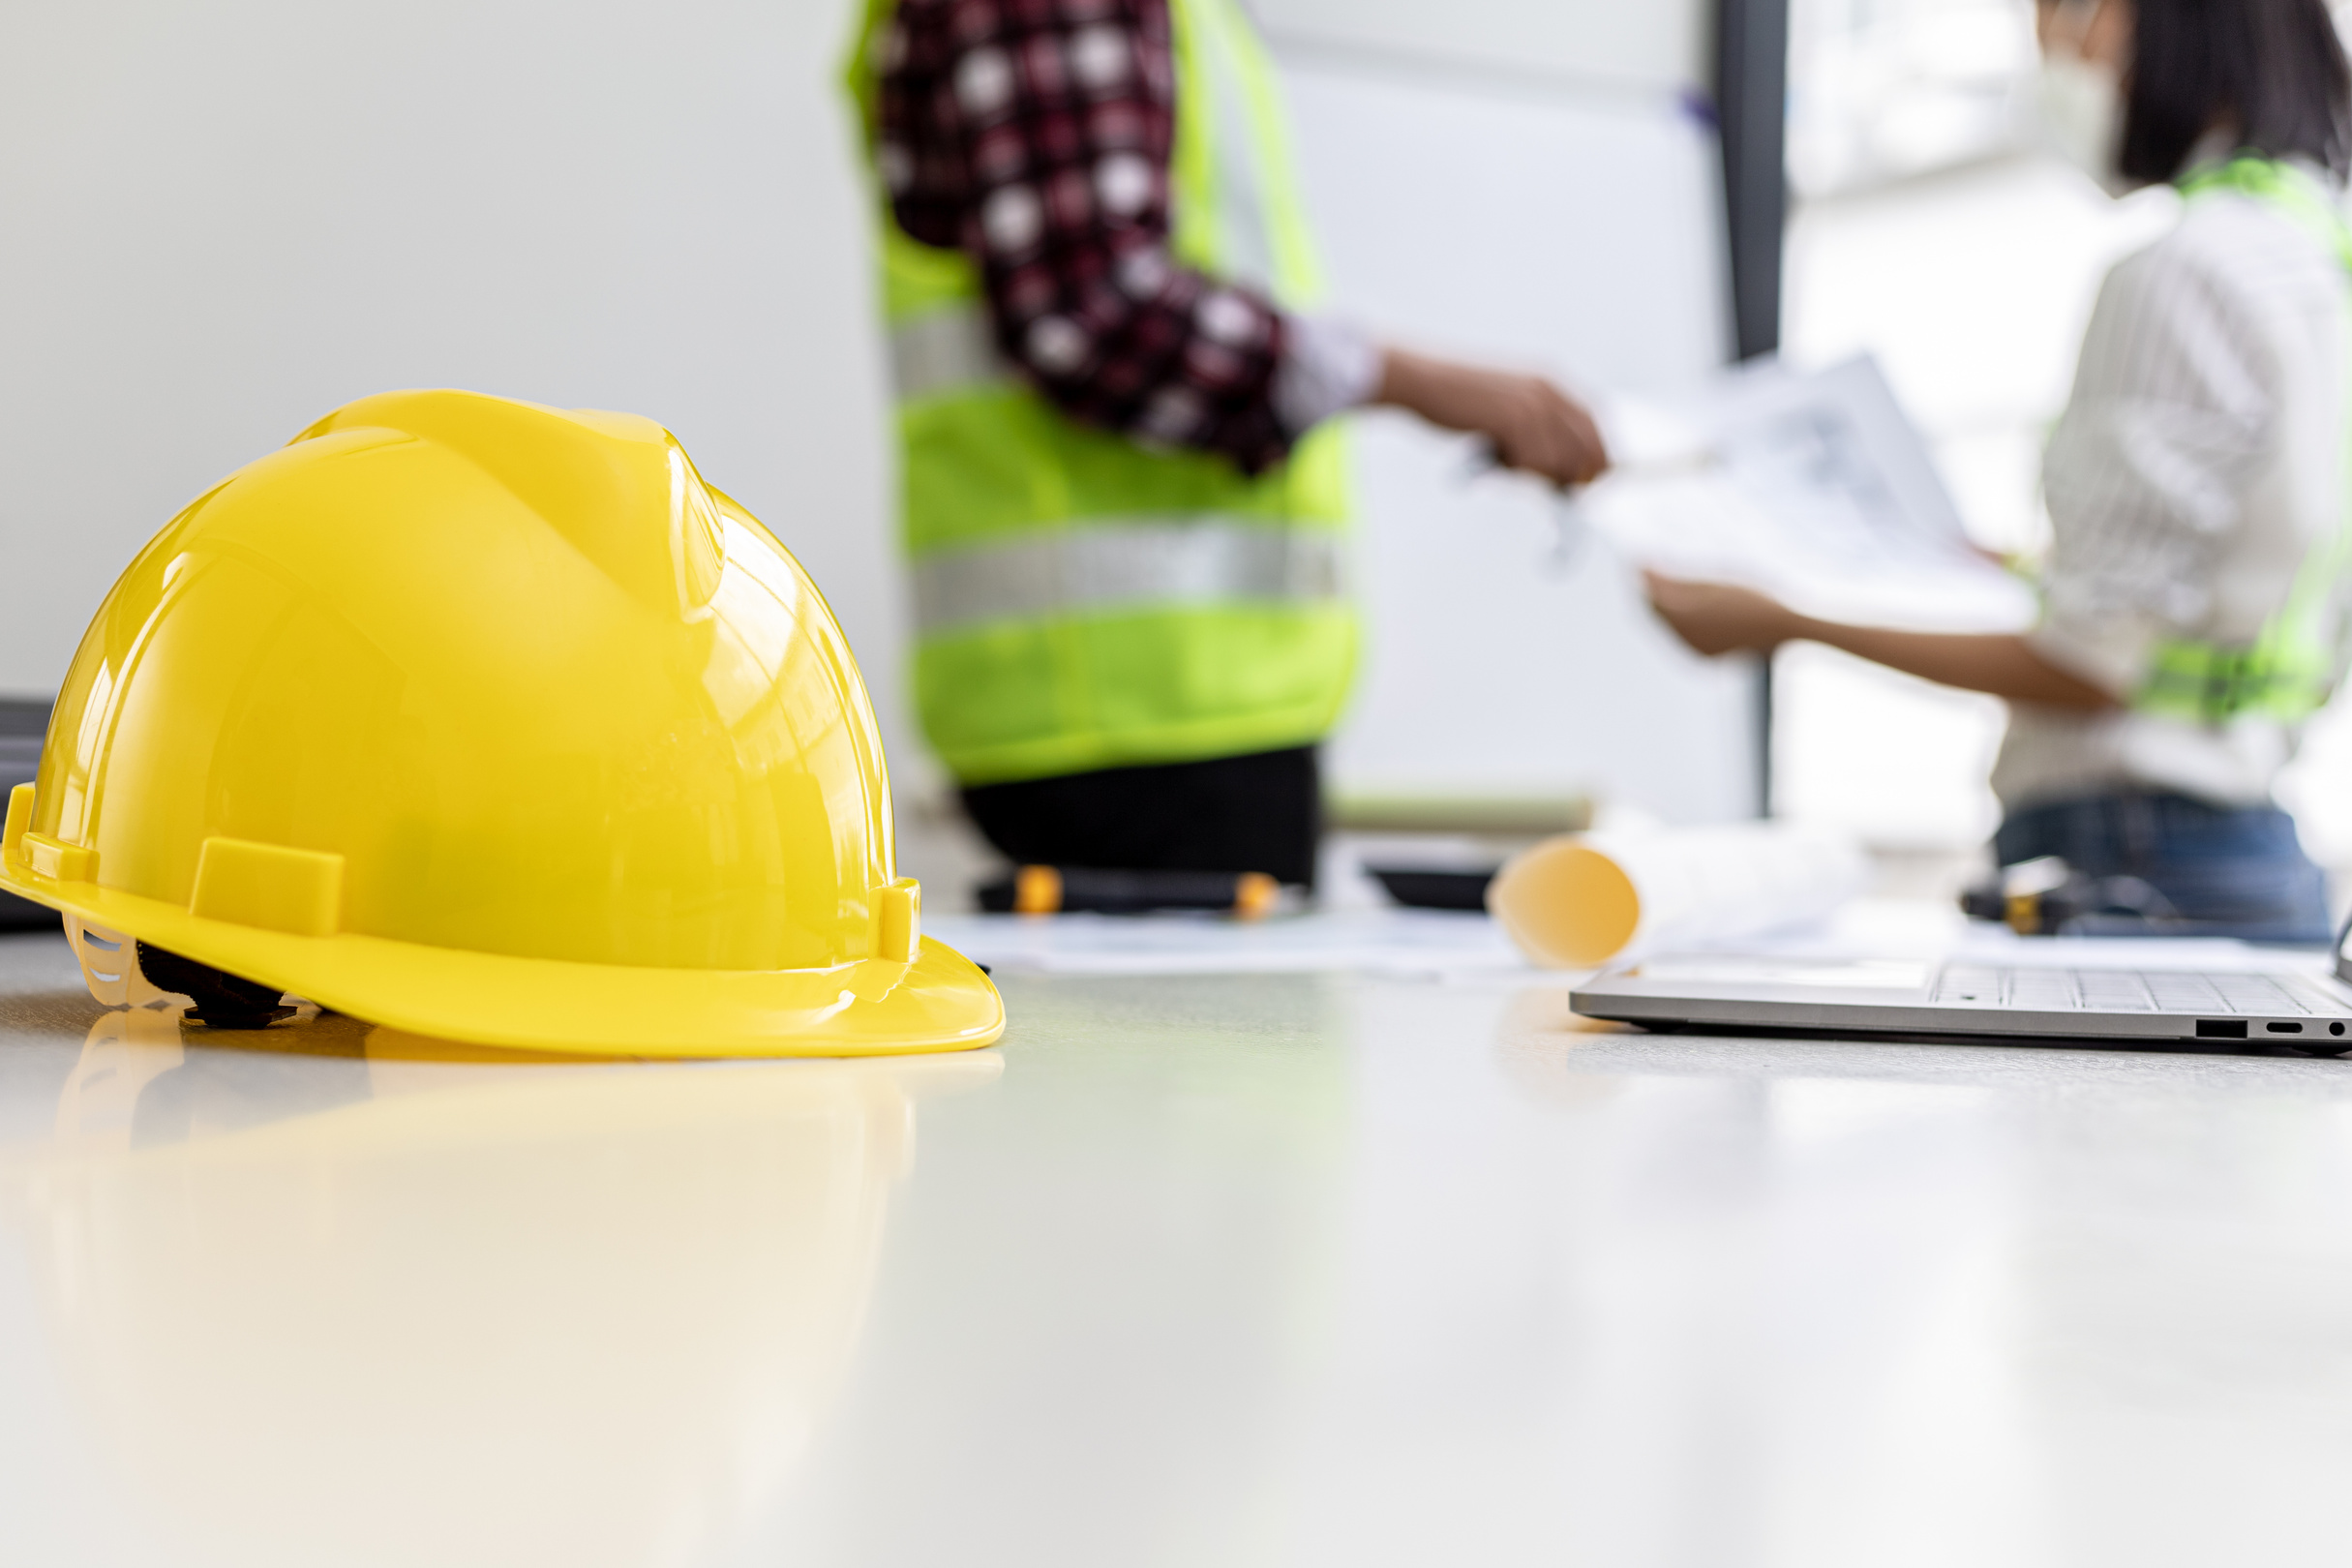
(456, 1312)
(491, 722)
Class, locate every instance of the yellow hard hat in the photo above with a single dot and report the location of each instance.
(492, 722)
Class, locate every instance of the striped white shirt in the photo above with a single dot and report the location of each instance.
(2199, 460)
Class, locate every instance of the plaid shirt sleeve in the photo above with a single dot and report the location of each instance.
(1034, 136)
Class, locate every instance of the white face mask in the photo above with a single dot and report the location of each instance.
(2081, 109)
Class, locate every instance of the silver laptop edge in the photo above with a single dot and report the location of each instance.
(2313, 1012)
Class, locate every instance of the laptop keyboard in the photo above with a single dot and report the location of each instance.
(2121, 990)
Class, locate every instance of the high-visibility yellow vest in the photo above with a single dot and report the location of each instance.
(1082, 601)
(2290, 669)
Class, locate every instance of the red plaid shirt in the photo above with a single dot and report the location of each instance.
(1034, 135)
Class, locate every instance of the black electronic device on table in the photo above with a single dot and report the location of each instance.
(1420, 887)
(23, 723)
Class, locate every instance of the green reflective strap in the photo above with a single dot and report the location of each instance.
(2205, 683)
(918, 279)
(2296, 192)
(1196, 227)
(859, 73)
(915, 278)
(1230, 119)
(1298, 271)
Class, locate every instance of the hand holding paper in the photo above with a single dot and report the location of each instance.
(1717, 618)
(1528, 423)
(1811, 489)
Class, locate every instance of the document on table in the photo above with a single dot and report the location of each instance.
(1813, 486)
(1467, 947)
(1920, 932)
(1398, 942)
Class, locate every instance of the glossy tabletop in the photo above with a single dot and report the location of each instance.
(1279, 1269)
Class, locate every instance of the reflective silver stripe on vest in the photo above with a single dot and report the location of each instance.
(1125, 563)
(941, 350)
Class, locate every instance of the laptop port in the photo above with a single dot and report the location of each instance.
(2220, 1028)
(2284, 1028)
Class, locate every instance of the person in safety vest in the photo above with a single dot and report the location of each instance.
(1124, 503)
(2193, 604)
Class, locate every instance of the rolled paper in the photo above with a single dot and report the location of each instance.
(1587, 900)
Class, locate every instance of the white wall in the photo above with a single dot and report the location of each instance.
(1560, 229)
(223, 221)
(1640, 44)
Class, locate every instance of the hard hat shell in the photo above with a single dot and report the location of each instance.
(493, 721)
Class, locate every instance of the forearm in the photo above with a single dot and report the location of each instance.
(2000, 666)
(1432, 389)
(1527, 422)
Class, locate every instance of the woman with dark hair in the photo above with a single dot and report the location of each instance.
(2194, 600)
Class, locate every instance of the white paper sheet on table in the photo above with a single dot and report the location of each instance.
(1430, 944)
(1813, 486)
(1898, 930)
(1387, 942)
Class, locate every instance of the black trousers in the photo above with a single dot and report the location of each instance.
(1263, 812)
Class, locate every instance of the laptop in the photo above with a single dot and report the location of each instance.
(1971, 998)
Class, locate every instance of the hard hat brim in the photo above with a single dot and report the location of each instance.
(941, 1001)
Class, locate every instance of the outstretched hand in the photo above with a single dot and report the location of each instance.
(1531, 424)
(1716, 618)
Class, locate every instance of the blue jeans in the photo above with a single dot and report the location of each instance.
(2227, 870)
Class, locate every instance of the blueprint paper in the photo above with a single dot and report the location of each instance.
(1812, 487)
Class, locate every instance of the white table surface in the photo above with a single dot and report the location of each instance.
(1272, 1268)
